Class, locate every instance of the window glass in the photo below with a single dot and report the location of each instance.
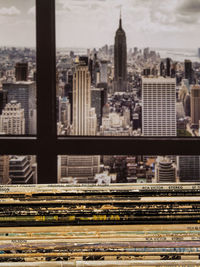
(131, 169)
(17, 67)
(132, 72)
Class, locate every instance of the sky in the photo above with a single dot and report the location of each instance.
(93, 23)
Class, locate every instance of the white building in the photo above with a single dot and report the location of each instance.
(159, 107)
(12, 119)
(165, 170)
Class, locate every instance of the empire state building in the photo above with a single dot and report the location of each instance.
(120, 60)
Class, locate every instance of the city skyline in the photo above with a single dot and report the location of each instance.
(151, 23)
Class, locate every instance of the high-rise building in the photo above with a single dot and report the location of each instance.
(187, 105)
(195, 104)
(12, 119)
(188, 168)
(168, 67)
(64, 111)
(3, 99)
(120, 60)
(20, 170)
(68, 92)
(82, 101)
(98, 101)
(159, 107)
(162, 69)
(80, 168)
(4, 169)
(188, 71)
(104, 71)
(165, 170)
(21, 71)
(24, 93)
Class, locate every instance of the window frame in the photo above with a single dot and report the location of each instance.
(46, 145)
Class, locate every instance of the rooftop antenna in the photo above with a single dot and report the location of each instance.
(120, 18)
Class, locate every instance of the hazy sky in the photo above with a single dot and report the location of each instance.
(92, 23)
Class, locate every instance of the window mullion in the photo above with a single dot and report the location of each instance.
(46, 91)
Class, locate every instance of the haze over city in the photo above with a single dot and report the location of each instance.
(92, 23)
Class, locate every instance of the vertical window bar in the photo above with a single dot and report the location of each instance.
(46, 91)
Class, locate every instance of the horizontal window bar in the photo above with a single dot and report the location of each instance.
(99, 145)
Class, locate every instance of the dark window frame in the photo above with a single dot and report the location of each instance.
(47, 145)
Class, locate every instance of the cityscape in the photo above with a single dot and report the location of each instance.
(113, 90)
(97, 166)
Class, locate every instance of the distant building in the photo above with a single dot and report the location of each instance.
(165, 170)
(20, 170)
(81, 168)
(189, 168)
(159, 107)
(168, 67)
(187, 107)
(115, 125)
(24, 93)
(98, 101)
(104, 71)
(64, 111)
(3, 99)
(195, 104)
(188, 71)
(4, 169)
(120, 60)
(21, 72)
(12, 119)
(162, 69)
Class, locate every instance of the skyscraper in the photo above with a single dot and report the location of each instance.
(188, 71)
(12, 119)
(189, 168)
(82, 101)
(195, 104)
(120, 60)
(104, 71)
(20, 170)
(21, 71)
(24, 93)
(168, 67)
(3, 99)
(159, 107)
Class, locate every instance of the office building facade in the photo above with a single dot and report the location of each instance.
(159, 107)
(12, 120)
(195, 104)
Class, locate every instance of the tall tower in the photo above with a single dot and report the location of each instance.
(120, 60)
(159, 107)
(81, 100)
(84, 119)
(188, 71)
(195, 104)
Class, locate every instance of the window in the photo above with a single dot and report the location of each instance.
(46, 145)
